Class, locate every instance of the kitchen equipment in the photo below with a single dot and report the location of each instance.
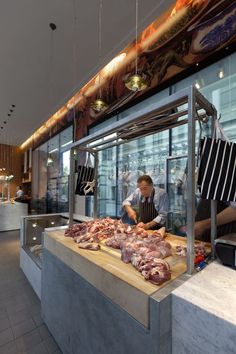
(225, 247)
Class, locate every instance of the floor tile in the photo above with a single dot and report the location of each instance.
(9, 348)
(44, 332)
(23, 328)
(28, 341)
(3, 313)
(4, 324)
(51, 345)
(19, 316)
(38, 349)
(38, 320)
(6, 336)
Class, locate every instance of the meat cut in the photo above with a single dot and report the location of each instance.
(145, 251)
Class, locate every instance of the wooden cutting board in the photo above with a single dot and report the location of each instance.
(104, 269)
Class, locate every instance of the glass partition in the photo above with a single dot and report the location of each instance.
(33, 233)
(51, 168)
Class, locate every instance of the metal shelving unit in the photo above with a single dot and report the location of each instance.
(183, 107)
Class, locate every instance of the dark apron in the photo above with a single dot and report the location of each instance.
(204, 212)
(147, 210)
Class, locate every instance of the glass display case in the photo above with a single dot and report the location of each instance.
(33, 227)
(176, 187)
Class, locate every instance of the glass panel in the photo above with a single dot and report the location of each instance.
(53, 153)
(158, 96)
(39, 185)
(50, 179)
(107, 182)
(66, 138)
(33, 233)
(176, 189)
(66, 163)
(143, 156)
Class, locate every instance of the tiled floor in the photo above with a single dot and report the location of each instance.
(22, 330)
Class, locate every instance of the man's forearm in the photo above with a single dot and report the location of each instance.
(128, 208)
(224, 217)
(151, 224)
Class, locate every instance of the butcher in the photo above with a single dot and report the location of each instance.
(147, 206)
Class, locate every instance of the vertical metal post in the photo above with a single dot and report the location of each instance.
(213, 203)
(95, 200)
(71, 186)
(191, 181)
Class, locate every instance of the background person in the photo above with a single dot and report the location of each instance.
(19, 197)
(147, 206)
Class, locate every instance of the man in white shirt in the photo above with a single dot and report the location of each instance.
(19, 194)
(148, 205)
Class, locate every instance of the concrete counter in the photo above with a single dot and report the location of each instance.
(11, 214)
(203, 312)
(92, 302)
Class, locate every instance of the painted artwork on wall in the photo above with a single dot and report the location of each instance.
(188, 33)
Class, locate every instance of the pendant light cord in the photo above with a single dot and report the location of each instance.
(100, 43)
(136, 36)
(75, 66)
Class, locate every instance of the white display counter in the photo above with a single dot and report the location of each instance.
(11, 214)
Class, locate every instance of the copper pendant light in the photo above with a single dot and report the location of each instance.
(99, 105)
(49, 161)
(137, 81)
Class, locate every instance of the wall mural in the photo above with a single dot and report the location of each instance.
(185, 35)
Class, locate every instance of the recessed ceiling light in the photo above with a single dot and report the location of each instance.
(1, 127)
(5, 122)
(52, 26)
(9, 114)
(11, 110)
(13, 105)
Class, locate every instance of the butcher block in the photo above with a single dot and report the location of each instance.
(120, 282)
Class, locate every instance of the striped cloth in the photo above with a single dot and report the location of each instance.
(217, 170)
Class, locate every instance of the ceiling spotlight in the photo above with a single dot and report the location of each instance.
(197, 85)
(52, 26)
(11, 110)
(9, 114)
(5, 122)
(221, 74)
(13, 105)
(1, 127)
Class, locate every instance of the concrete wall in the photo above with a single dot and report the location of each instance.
(84, 321)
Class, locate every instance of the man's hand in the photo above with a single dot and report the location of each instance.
(199, 228)
(132, 215)
(147, 226)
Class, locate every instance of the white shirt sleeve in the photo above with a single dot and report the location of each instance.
(132, 199)
(161, 202)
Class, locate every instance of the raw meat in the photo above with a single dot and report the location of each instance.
(89, 246)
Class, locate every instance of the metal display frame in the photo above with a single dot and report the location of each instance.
(183, 107)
